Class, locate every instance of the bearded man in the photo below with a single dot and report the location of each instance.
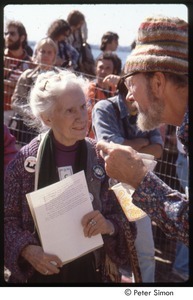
(16, 60)
(157, 79)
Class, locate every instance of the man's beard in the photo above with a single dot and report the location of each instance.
(153, 117)
(14, 46)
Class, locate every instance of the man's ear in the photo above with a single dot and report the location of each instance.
(158, 84)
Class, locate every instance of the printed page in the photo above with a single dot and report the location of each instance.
(59, 209)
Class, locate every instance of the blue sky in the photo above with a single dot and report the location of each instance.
(124, 19)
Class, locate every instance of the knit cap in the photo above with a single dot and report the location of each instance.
(161, 45)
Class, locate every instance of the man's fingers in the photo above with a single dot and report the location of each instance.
(105, 148)
(103, 145)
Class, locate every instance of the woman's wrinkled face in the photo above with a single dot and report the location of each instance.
(69, 117)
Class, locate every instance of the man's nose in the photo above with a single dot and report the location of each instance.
(129, 96)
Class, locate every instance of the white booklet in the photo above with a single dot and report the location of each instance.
(57, 211)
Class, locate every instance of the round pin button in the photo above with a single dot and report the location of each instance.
(99, 172)
(30, 164)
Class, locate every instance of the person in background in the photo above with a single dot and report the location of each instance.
(78, 39)
(161, 92)
(107, 63)
(67, 56)
(116, 79)
(10, 149)
(16, 60)
(113, 120)
(180, 266)
(58, 102)
(182, 169)
(21, 125)
(29, 49)
(79, 30)
(109, 41)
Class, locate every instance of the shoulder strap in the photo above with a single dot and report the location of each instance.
(41, 138)
(91, 144)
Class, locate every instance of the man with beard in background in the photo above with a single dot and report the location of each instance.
(16, 60)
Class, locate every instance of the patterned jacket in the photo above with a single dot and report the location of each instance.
(19, 225)
(9, 147)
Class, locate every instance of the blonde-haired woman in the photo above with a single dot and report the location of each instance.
(58, 102)
(44, 58)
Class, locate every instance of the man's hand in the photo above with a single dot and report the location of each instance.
(122, 163)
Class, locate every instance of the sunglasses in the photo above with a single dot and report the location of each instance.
(11, 33)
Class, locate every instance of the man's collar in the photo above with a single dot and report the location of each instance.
(9, 53)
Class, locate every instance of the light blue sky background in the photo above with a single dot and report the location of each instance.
(124, 19)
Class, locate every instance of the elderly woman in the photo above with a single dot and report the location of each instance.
(44, 58)
(58, 101)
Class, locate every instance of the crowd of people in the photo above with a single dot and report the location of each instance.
(97, 123)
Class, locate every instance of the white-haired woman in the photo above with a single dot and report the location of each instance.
(44, 59)
(58, 101)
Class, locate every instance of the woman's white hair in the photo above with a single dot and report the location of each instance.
(49, 86)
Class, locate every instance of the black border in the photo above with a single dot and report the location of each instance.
(189, 5)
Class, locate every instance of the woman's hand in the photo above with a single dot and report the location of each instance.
(45, 264)
(95, 223)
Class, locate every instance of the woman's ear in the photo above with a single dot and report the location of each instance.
(46, 119)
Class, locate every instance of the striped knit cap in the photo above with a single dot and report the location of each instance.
(161, 45)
